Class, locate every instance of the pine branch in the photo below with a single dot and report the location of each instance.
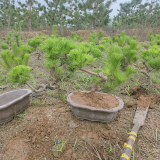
(147, 75)
(40, 86)
(104, 78)
(148, 69)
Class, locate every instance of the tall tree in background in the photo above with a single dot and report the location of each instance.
(80, 14)
(135, 13)
(90, 13)
(28, 12)
(41, 19)
(30, 4)
(98, 11)
(76, 13)
(130, 12)
(3, 8)
(56, 8)
(9, 16)
(7, 13)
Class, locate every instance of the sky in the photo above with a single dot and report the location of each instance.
(114, 6)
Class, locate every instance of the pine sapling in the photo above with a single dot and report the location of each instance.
(34, 42)
(7, 58)
(4, 46)
(93, 37)
(54, 29)
(18, 56)
(78, 60)
(75, 36)
(114, 70)
(56, 50)
(16, 32)
(151, 61)
(20, 53)
(130, 53)
(54, 32)
(21, 74)
(100, 35)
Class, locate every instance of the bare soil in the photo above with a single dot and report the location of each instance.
(143, 102)
(86, 33)
(144, 99)
(49, 122)
(95, 100)
(137, 92)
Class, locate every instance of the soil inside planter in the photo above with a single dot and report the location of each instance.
(104, 101)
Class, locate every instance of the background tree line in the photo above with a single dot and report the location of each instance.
(77, 14)
(135, 13)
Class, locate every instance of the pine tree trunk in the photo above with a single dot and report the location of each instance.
(61, 28)
(53, 18)
(51, 24)
(75, 25)
(29, 15)
(9, 16)
(90, 24)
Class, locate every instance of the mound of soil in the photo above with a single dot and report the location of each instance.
(143, 102)
(93, 99)
(86, 33)
(137, 92)
(144, 99)
(155, 98)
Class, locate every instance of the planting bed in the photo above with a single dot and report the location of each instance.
(48, 123)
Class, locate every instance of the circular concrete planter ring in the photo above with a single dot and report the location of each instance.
(94, 114)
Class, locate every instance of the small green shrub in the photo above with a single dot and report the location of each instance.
(152, 56)
(76, 37)
(114, 69)
(56, 51)
(155, 40)
(121, 39)
(145, 45)
(130, 53)
(54, 29)
(34, 42)
(7, 58)
(25, 59)
(96, 52)
(4, 46)
(30, 49)
(105, 40)
(78, 60)
(16, 32)
(17, 61)
(18, 56)
(81, 38)
(20, 74)
(100, 35)
(93, 37)
(20, 53)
